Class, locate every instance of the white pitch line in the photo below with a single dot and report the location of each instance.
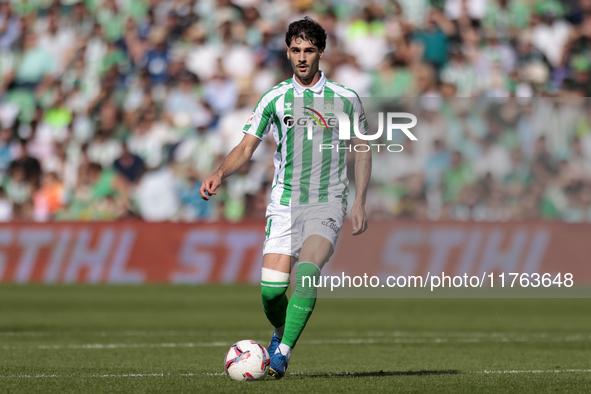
(459, 336)
(355, 341)
(127, 333)
(368, 341)
(537, 371)
(133, 345)
(129, 375)
(29, 376)
(147, 375)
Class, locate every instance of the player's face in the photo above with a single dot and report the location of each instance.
(305, 58)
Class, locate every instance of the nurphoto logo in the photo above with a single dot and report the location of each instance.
(392, 120)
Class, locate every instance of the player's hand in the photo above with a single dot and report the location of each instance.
(209, 186)
(358, 218)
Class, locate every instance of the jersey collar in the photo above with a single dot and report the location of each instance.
(316, 88)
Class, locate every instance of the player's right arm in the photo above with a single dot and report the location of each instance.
(256, 129)
(232, 163)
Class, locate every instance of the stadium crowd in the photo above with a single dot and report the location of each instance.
(118, 109)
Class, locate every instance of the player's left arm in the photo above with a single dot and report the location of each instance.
(362, 175)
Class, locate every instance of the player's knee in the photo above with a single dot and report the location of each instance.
(307, 280)
(273, 285)
(272, 295)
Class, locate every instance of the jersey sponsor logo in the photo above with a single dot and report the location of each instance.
(317, 118)
(249, 121)
(331, 224)
(329, 121)
(288, 121)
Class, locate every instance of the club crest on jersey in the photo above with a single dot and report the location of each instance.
(328, 104)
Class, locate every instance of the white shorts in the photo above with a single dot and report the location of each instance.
(287, 228)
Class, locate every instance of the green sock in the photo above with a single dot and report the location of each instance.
(301, 303)
(274, 301)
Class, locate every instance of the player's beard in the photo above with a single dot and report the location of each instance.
(309, 73)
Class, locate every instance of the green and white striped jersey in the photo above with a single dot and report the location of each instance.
(304, 173)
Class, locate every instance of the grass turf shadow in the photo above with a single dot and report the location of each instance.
(368, 374)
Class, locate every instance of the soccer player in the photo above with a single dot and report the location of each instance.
(310, 186)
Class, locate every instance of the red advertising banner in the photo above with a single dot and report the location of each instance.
(416, 248)
(130, 252)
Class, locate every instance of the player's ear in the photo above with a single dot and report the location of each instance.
(288, 54)
(321, 52)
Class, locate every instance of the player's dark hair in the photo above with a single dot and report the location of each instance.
(306, 29)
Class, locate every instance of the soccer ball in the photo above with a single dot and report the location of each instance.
(247, 360)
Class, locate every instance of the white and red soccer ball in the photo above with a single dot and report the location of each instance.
(247, 360)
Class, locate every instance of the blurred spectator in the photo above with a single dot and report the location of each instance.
(130, 166)
(436, 165)
(457, 177)
(366, 39)
(145, 142)
(473, 10)
(6, 207)
(506, 17)
(48, 199)
(36, 65)
(58, 40)
(221, 92)
(545, 166)
(434, 38)
(359, 80)
(493, 159)
(118, 109)
(103, 150)
(62, 164)
(197, 153)
(8, 148)
(183, 108)
(157, 57)
(193, 207)
(226, 138)
(550, 32)
(202, 59)
(18, 188)
(28, 163)
(10, 30)
(461, 74)
(157, 195)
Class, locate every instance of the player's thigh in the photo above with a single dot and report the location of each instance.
(279, 232)
(278, 262)
(316, 249)
(280, 247)
(322, 226)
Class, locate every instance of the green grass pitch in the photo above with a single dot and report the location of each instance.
(104, 339)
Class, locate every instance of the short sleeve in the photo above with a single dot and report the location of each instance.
(260, 121)
(363, 127)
